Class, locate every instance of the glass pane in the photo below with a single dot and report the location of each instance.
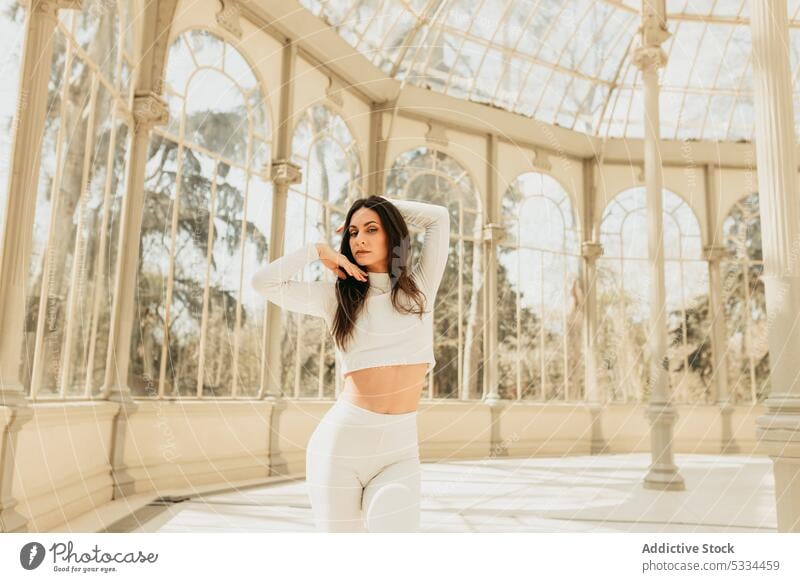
(108, 255)
(181, 65)
(85, 286)
(147, 343)
(208, 49)
(225, 276)
(97, 31)
(217, 116)
(258, 214)
(44, 209)
(190, 265)
(307, 367)
(62, 229)
(745, 303)
(623, 298)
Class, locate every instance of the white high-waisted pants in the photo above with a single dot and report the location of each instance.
(363, 471)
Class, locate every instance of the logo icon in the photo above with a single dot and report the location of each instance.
(31, 555)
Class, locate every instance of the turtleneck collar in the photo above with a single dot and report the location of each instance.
(379, 282)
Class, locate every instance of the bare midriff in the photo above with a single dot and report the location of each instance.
(386, 389)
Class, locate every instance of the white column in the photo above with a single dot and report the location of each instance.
(715, 254)
(148, 110)
(15, 246)
(591, 250)
(376, 180)
(492, 234)
(284, 173)
(649, 57)
(778, 430)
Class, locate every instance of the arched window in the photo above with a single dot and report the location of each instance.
(539, 294)
(430, 175)
(747, 351)
(79, 201)
(206, 220)
(327, 153)
(624, 300)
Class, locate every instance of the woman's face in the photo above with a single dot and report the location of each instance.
(367, 234)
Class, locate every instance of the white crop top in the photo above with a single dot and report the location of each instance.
(382, 335)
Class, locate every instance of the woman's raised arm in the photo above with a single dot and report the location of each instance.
(435, 219)
(312, 298)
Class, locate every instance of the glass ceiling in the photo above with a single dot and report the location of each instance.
(568, 63)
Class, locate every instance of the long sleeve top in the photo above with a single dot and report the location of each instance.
(382, 335)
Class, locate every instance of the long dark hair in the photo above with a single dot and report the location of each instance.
(351, 294)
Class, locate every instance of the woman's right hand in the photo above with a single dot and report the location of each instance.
(338, 263)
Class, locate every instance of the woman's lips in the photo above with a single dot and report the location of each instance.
(361, 252)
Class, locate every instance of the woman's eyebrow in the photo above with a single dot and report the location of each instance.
(369, 222)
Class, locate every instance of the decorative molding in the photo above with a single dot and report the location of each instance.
(591, 250)
(541, 160)
(649, 58)
(715, 253)
(285, 172)
(149, 109)
(335, 90)
(229, 17)
(647, 53)
(494, 232)
(436, 134)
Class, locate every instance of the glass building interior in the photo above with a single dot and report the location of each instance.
(614, 330)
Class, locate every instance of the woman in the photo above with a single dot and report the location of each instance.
(362, 461)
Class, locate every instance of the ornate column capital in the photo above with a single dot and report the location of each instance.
(493, 232)
(648, 55)
(436, 134)
(541, 160)
(148, 110)
(591, 250)
(649, 58)
(715, 253)
(228, 17)
(285, 172)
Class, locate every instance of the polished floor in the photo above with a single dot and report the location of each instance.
(731, 493)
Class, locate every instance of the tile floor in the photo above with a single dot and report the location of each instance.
(731, 493)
